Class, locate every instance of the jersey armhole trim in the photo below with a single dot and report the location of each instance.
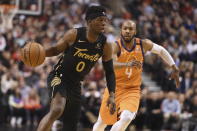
(77, 36)
(142, 49)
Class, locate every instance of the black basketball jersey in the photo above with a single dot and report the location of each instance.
(80, 57)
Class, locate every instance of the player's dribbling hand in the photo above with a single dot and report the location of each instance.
(111, 103)
(175, 75)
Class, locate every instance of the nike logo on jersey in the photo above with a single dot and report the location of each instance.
(81, 41)
(98, 46)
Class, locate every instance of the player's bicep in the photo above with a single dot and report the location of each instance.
(107, 52)
(68, 38)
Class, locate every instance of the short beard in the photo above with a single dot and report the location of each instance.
(127, 41)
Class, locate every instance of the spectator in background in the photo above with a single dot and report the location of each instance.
(140, 120)
(193, 106)
(171, 109)
(7, 82)
(154, 113)
(44, 98)
(2, 42)
(91, 106)
(189, 123)
(32, 106)
(183, 103)
(6, 59)
(17, 108)
(186, 82)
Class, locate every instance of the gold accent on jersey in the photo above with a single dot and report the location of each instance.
(86, 56)
(80, 66)
(56, 81)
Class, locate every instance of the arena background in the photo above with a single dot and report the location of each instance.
(170, 23)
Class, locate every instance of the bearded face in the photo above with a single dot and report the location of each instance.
(128, 31)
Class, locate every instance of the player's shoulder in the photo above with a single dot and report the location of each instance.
(71, 33)
(116, 45)
(146, 41)
(141, 40)
(147, 44)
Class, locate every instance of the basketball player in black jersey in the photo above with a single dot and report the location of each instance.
(82, 48)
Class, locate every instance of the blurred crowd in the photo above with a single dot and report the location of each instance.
(173, 24)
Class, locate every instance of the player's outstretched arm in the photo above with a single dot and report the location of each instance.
(165, 55)
(68, 39)
(110, 76)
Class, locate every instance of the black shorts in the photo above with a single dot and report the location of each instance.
(72, 92)
(57, 82)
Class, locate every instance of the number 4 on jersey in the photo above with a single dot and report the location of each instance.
(128, 72)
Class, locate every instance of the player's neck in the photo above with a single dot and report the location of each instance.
(130, 44)
(91, 35)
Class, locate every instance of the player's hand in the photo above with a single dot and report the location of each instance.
(175, 75)
(135, 63)
(111, 103)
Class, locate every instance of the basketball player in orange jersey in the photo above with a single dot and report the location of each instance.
(81, 48)
(128, 59)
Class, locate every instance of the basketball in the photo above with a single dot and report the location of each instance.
(33, 54)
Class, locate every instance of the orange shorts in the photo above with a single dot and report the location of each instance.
(126, 99)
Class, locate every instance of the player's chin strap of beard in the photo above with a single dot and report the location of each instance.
(94, 15)
(127, 40)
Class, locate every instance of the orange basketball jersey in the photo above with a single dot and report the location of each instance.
(128, 81)
(129, 77)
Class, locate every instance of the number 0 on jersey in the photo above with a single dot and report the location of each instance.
(80, 66)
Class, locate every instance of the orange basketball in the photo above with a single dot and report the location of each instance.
(33, 54)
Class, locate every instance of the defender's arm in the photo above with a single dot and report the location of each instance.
(108, 67)
(165, 55)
